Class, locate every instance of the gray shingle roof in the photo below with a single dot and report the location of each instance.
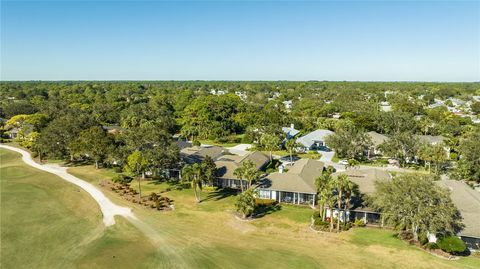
(377, 138)
(227, 164)
(196, 154)
(365, 178)
(309, 139)
(467, 201)
(290, 132)
(299, 178)
(431, 139)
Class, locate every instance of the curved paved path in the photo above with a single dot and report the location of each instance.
(108, 208)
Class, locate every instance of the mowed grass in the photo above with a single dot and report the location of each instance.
(207, 235)
(59, 226)
(49, 223)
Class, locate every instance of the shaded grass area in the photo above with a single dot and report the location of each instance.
(204, 235)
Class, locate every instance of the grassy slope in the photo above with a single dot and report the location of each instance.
(279, 240)
(49, 223)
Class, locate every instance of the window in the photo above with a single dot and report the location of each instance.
(264, 194)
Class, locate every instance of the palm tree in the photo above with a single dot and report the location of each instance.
(340, 183)
(239, 173)
(269, 143)
(193, 174)
(245, 203)
(350, 189)
(290, 145)
(324, 190)
(330, 202)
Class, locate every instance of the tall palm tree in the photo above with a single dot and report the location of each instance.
(240, 173)
(340, 183)
(193, 174)
(350, 189)
(290, 145)
(324, 190)
(330, 202)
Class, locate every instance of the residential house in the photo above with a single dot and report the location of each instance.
(290, 132)
(365, 180)
(288, 105)
(436, 103)
(467, 201)
(385, 106)
(295, 186)
(196, 154)
(377, 140)
(431, 139)
(227, 164)
(434, 140)
(314, 140)
(13, 133)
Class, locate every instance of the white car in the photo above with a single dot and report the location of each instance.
(344, 162)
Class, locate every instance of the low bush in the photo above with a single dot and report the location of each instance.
(153, 197)
(423, 238)
(122, 179)
(265, 202)
(319, 223)
(406, 235)
(451, 244)
(209, 188)
(359, 223)
(196, 143)
(431, 246)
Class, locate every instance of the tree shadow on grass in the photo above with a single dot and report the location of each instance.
(263, 210)
(220, 194)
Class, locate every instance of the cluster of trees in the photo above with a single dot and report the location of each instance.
(198, 174)
(334, 191)
(150, 112)
(415, 203)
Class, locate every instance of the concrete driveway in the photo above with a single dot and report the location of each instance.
(240, 149)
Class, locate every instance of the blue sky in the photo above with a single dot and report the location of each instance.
(230, 40)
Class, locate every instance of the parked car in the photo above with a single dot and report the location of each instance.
(344, 162)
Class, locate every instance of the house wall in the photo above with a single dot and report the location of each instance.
(229, 183)
(288, 197)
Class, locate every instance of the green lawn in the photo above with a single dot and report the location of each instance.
(49, 223)
(41, 212)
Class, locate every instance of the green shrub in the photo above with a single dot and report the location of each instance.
(153, 197)
(209, 188)
(451, 244)
(359, 223)
(117, 169)
(431, 246)
(319, 223)
(265, 202)
(423, 238)
(196, 143)
(122, 179)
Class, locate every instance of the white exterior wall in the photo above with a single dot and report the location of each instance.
(274, 195)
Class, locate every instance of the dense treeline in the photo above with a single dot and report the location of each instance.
(67, 116)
